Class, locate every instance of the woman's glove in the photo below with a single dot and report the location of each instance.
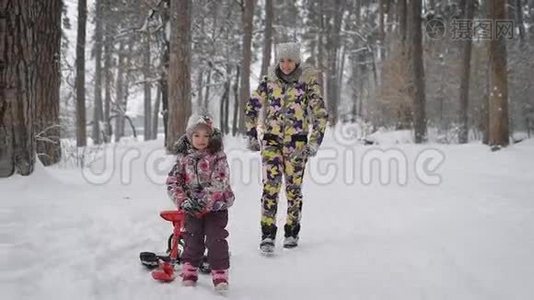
(310, 150)
(253, 144)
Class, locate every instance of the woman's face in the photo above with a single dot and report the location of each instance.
(201, 138)
(287, 65)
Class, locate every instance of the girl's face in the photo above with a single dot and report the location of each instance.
(200, 138)
(287, 65)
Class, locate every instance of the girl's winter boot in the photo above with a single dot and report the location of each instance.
(220, 279)
(189, 275)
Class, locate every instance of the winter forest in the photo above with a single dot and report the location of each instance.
(421, 188)
(138, 68)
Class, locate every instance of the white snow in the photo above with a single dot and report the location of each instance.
(471, 236)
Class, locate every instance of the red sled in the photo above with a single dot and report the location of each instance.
(165, 271)
(163, 265)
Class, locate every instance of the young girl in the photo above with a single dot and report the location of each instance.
(199, 185)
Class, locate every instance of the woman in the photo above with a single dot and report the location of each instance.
(285, 105)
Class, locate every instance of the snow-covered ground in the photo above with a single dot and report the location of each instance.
(454, 222)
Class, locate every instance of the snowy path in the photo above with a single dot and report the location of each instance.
(470, 237)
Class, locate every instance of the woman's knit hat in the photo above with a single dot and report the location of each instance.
(288, 50)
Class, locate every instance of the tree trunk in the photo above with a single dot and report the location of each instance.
(226, 125)
(98, 114)
(485, 100)
(403, 16)
(179, 70)
(419, 74)
(118, 105)
(335, 14)
(81, 135)
(441, 98)
(381, 30)
(355, 78)
(108, 75)
(267, 37)
(321, 50)
(147, 132)
(200, 84)
(164, 71)
(320, 65)
(47, 124)
(226, 107)
(244, 93)
(224, 100)
(18, 84)
(390, 21)
(341, 67)
(236, 103)
(126, 87)
(519, 19)
(498, 98)
(200, 69)
(165, 93)
(463, 135)
(331, 60)
(208, 83)
(155, 114)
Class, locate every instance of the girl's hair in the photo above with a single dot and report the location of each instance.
(215, 144)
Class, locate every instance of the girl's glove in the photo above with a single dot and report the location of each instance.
(192, 206)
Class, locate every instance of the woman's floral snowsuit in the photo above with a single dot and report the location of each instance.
(284, 112)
